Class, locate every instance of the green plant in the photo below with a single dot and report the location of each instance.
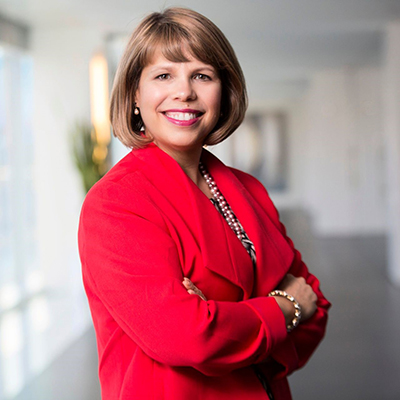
(90, 156)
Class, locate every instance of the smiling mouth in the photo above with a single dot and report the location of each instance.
(182, 116)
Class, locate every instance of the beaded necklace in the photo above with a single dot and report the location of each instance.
(223, 205)
(225, 210)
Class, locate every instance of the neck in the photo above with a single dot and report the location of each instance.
(191, 169)
(189, 162)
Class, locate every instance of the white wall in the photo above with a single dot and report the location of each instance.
(392, 144)
(344, 171)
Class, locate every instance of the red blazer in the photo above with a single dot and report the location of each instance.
(143, 228)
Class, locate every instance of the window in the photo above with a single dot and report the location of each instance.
(18, 259)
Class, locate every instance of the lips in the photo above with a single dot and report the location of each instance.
(183, 117)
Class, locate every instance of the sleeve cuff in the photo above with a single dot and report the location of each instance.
(273, 321)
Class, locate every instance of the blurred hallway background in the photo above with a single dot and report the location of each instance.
(322, 133)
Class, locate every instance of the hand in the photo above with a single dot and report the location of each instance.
(192, 289)
(303, 294)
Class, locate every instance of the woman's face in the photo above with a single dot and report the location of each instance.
(179, 102)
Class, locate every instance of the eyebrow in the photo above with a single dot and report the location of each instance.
(212, 69)
(170, 66)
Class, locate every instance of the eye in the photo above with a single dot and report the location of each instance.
(163, 77)
(202, 77)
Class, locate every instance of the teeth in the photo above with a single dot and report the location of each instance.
(181, 116)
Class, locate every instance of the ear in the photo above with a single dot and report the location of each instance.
(136, 98)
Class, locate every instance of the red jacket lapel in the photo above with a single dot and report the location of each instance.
(274, 254)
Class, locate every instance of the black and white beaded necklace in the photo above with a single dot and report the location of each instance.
(224, 208)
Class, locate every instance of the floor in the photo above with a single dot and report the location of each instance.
(360, 356)
(358, 360)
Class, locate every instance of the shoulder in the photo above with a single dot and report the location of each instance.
(117, 182)
(123, 190)
(246, 178)
(252, 184)
(124, 170)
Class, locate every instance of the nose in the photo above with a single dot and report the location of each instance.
(184, 90)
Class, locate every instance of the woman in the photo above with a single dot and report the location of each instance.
(190, 298)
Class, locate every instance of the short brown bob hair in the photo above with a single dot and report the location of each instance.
(177, 32)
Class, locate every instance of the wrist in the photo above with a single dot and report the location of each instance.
(286, 307)
(290, 308)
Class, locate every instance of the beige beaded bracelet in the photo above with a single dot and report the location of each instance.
(297, 308)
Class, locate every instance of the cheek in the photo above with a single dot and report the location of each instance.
(214, 101)
(150, 97)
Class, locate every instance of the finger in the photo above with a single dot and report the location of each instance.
(301, 279)
(202, 296)
(198, 293)
(192, 288)
(314, 298)
(187, 283)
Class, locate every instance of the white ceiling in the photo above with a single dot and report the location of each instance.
(279, 42)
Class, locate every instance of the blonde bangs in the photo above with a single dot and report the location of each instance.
(178, 45)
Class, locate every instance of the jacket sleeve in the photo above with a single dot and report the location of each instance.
(298, 346)
(131, 263)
